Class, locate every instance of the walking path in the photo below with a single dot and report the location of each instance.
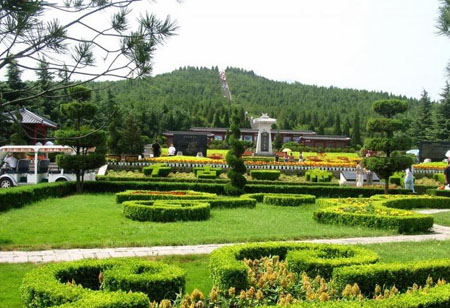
(440, 233)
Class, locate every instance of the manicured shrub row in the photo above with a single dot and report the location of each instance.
(322, 261)
(317, 175)
(270, 175)
(157, 170)
(439, 177)
(130, 195)
(207, 169)
(258, 196)
(355, 212)
(114, 187)
(400, 275)
(320, 190)
(288, 200)
(166, 210)
(125, 283)
(408, 202)
(437, 297)
(439, 192)
(227, 269)
(231, 203)
(15, 197)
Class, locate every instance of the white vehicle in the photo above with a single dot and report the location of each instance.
(21, 175)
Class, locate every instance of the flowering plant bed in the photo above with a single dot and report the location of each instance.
(371, 213)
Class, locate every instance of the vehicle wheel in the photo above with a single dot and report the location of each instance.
(61, 180)
(6, 183)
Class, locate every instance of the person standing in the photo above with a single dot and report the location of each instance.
(156, 149)
(359, 175)
(447, 175)
(409, 180)
(172, 150)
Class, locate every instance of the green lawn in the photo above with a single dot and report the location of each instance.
(442, 219)
(197, 267)
(97, 221)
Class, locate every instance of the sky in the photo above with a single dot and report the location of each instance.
(383, 45)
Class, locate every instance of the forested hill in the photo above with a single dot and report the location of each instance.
(194, 97)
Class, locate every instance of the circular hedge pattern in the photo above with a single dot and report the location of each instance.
(167, 210)
(162, 195)
(101, 283)
(288, 200)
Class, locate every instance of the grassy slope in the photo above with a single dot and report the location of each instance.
(97, 221)
(197, 267)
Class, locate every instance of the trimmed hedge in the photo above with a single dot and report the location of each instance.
(437, 297)
(258, 196)
(207, 169)
(288, 200)
(439, 177)
(335, 212)
(227, 269)
(270, 175)
(166, 210)
(157, 170)
(127, 283)
(231, 203)
(322, 261)
(16, 197)
(400, 275)
(438, 192)
(408, 202)
(317, 175)
(130, 195)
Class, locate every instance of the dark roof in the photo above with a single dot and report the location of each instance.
(326, 137)
(29, 117)
(251, 130)
(171, 133)
(351, 176)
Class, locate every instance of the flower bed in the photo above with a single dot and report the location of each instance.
(123, 283)
(162, 195)
(166, 210)
(288, 200)
(372, 214)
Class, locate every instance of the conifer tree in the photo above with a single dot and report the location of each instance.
(131, 142)
(346, 129)
(234, 159)
(442, 123)
(337, 126)
(356, 130)
(422, 129)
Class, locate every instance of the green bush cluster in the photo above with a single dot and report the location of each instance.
(270, 175)
(372, 215)
(323, 261)
(218, 171)
(15, 197)
(257, 196)
(398, 178)
(438, 192)
(167, 210)
(288, 200)
(157, 170)
(130, 195)
(109, 283)
(231, 202)
(228, 269)
(317, 175)
(439, 177)
(400, 275)
(408, 202)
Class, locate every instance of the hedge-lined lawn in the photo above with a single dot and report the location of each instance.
(197, 273)
(442, 219)
(97, 221)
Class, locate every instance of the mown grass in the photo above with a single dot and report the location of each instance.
(197, 274)
(442, 219)
(96, 221)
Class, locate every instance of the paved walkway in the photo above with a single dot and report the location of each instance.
(440, 233)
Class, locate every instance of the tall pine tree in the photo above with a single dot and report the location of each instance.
(337, 126)
(356, 130)
(442, 124)
(422, 129)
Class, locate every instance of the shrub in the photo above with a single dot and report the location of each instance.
(166, 210)
(438, 192)
(206, 169)
(400, 275)
(372, 214)
(317, 175)
(258, 196)
(413, 202)
(15, 197)
(159, 195)
(271, 175)
(322, 261)
(227, 269)
(124, 282)
(288, 200)
(157, 170)
(230, 202)
(439, 177)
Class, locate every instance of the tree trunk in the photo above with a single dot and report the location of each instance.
(78, 185)
(386, 186)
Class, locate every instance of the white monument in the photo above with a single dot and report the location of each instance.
(264, 141)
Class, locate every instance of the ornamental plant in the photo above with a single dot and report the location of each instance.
(235, 161)
(386, 141)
